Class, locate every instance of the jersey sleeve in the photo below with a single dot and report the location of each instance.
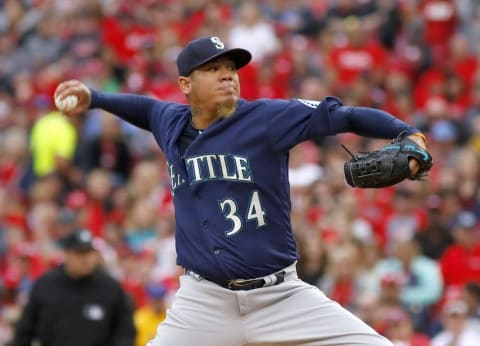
(138, 110)
(298, 120)
(363, 121)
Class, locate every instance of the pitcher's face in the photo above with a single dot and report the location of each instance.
(213, 86)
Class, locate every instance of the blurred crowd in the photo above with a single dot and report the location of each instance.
(406, 259)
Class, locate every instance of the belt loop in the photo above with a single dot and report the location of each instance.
(196, 276)
(270, 280)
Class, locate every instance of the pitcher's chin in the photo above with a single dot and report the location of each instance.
(225, 110)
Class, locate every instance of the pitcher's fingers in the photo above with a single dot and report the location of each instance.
(414, 166)
(67, 88)
(419, 139)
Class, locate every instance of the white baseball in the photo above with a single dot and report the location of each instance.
(66, 104)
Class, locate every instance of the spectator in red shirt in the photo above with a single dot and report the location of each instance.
(460, 263)
(93, 206)
(461, 59)
(99, 191)
(340, 281)
(440, 23)
(359, 56)
(123, 35)
(13, 158)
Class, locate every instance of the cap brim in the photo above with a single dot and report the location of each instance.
(80, 248)
(240, 57)
(67, 246)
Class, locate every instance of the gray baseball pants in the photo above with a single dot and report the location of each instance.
(291, 313)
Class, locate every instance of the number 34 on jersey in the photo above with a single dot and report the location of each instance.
(254, 213)
(224, 167)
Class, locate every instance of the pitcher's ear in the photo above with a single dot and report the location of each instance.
(185, 84)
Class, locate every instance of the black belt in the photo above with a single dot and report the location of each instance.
(244, 284)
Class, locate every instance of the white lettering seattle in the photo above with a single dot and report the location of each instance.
(218, 166)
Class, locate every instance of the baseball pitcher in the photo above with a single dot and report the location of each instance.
(228, 166)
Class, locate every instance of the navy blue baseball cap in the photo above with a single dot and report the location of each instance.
(202, 50)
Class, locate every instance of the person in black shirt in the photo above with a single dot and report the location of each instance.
(77, 304)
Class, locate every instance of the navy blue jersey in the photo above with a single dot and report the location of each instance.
(230, 185)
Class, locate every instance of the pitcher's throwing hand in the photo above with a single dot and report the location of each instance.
(65, 95)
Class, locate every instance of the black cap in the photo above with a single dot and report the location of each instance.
(202, 50)
(80, 240)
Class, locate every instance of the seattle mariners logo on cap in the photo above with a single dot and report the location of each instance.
(217, 42)
(202, 50)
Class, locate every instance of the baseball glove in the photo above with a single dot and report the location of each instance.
(387, 166)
